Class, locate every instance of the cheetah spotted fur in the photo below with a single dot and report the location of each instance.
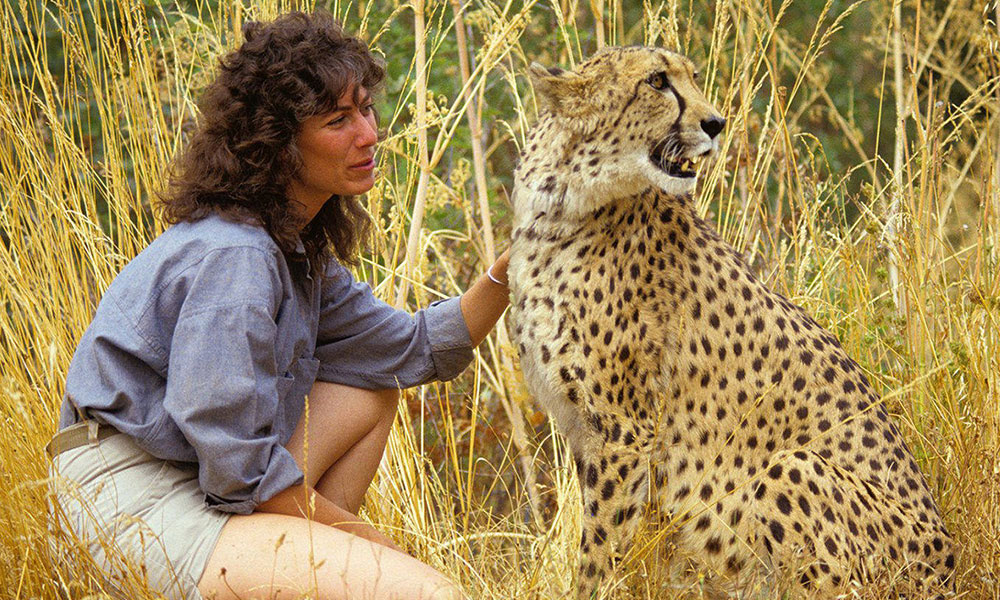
(674, 373)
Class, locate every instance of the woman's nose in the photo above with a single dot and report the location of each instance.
(368, 134)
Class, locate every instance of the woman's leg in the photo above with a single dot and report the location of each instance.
(348, 429)
(271, 556)
(266, 555)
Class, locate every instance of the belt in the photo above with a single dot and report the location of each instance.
(78, 434)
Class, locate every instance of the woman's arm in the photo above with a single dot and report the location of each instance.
(484, 302)
(363, 342)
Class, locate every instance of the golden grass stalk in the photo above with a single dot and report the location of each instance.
(423, 161)
(897, 156)
(474, 117)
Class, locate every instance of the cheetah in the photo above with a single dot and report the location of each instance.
(675, 375)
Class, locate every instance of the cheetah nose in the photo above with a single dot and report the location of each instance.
(712, 126)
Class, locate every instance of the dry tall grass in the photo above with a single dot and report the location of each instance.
(896, 252)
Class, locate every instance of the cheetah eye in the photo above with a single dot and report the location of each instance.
(658, 81)
(696, 75)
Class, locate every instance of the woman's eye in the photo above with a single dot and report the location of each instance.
(658, 81)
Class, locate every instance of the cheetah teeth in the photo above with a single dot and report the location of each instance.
(690, 164)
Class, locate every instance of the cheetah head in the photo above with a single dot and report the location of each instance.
(640, 117)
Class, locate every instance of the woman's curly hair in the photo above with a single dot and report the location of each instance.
(242, 156)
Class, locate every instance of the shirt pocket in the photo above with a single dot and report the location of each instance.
(299, 377)
(292, 389)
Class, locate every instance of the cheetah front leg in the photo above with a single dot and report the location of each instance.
(614, 484)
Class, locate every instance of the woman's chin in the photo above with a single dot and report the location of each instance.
(356, 188)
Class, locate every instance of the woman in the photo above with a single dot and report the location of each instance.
(182, 428)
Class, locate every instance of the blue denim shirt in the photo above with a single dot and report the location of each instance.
(205, 345)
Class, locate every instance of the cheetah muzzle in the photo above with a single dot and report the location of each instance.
(679, 378)
(675, 167)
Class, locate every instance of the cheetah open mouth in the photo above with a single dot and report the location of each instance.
(674, 166)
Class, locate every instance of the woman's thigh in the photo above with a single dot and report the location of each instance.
(265, 555)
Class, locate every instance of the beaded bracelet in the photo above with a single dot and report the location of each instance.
(489, 273)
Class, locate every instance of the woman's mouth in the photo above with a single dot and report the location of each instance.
(367, 165)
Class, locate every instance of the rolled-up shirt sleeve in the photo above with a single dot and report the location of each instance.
(222, 386)
(364, 342)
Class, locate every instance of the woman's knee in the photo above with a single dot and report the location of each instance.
(335, 399)
(388, 401)
(325, 391)
(263, 550)
(449, 592)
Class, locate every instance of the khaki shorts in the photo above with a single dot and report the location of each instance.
(124, 502)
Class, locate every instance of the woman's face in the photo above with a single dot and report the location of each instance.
(338, 150)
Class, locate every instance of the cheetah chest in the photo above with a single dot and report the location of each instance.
(590, 313)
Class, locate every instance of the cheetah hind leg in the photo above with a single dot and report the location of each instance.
(614, 487)
(803, 523)
(824, 526)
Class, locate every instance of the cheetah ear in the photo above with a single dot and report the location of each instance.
(563, 92)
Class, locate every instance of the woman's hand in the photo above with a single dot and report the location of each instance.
(366, 531)
(497, 272)
(293, 501)
(486, 300)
